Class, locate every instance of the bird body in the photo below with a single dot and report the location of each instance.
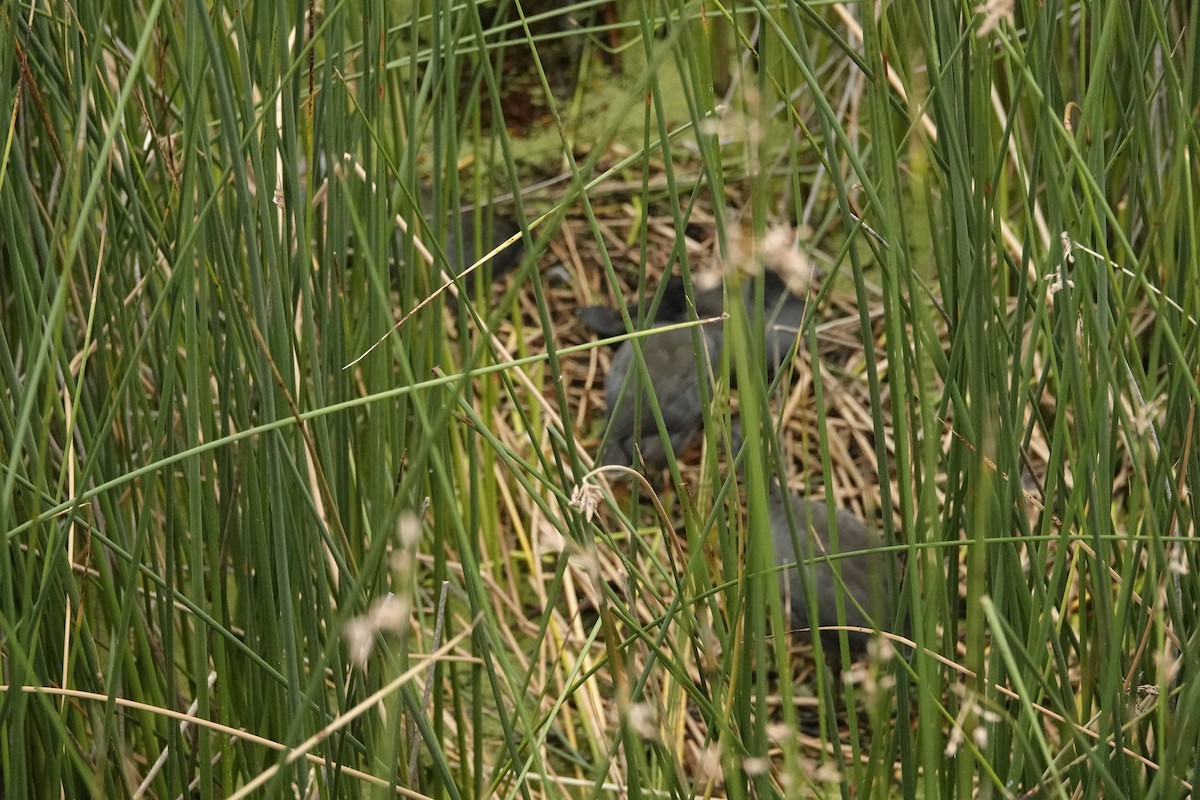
(463, 251)
(671, 366)
(783, 312)
(863, 574)
(673, 307)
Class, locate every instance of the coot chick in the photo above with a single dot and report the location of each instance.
(670, 357)
(864, 575)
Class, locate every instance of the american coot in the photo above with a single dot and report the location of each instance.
(671, 363)
(783, 311)
(673, 307)
(463, 252)
(863, 575)
(500, 230)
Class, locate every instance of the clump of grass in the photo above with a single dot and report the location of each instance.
(232, 386)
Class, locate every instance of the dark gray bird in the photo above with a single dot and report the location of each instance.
(672, 308)
(670, 363)
(463, 253)
(863, 575)
(671, 360)
(474, 243)
(783, 312)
